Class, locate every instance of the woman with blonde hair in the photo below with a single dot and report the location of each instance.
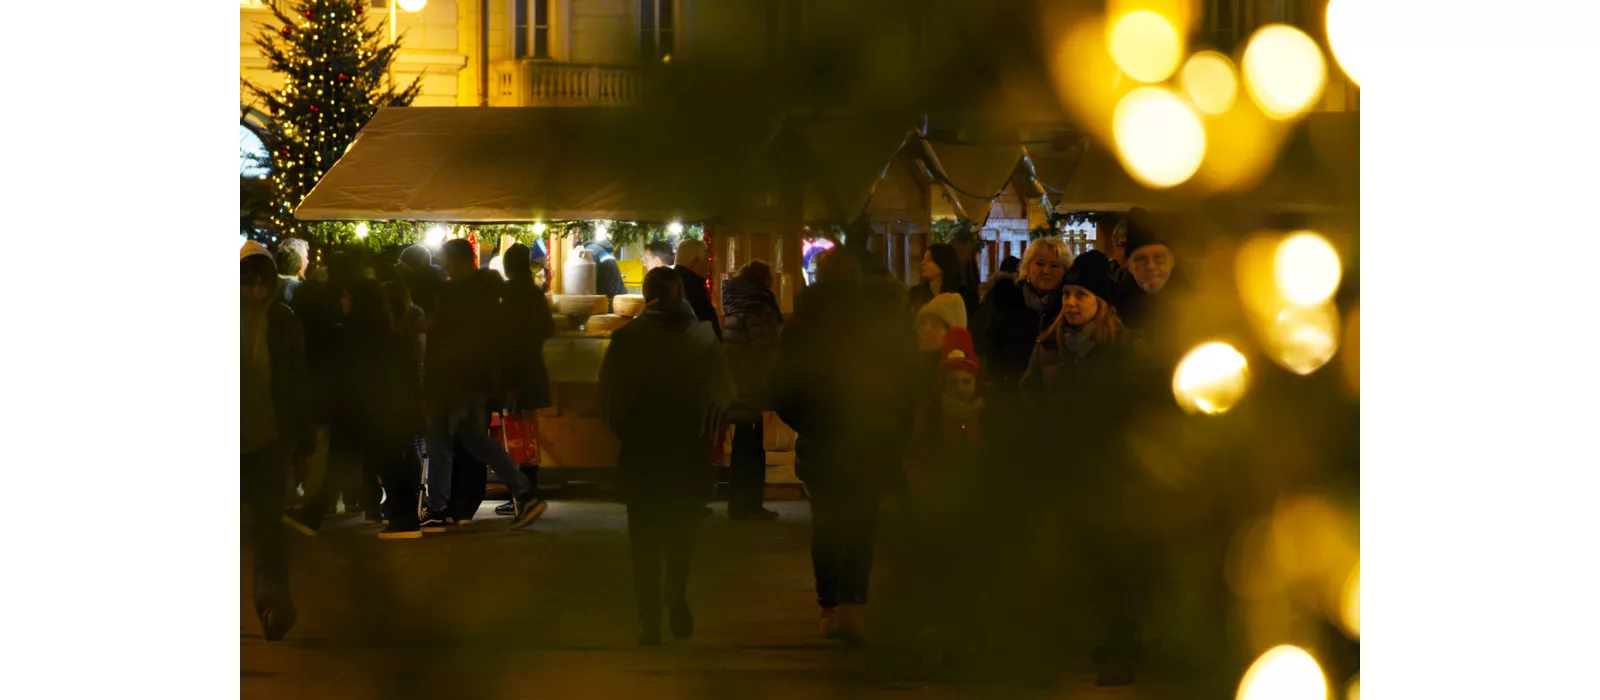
(1015, 312)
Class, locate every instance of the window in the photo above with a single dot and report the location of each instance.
(657, 23)
(534, 34)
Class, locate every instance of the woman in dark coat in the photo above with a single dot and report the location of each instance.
(749, 342)
(941, 274)
(1015, 312)
(663, 388)
(527, 323)
(389, 396)
(1088, 377)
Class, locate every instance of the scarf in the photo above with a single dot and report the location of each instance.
(1076, 341)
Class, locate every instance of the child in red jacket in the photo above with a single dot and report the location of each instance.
(944, 466)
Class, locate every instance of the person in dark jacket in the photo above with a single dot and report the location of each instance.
(845, 379)
(941, 274)
(273, 397)
(423, 279)
(1151, 301)
(387, 402)
(1015, 313)
(607, 274)
(462, 369)
(750, 341)
(527, 324)
(1088, 379)
(663, 384)
(693, 268)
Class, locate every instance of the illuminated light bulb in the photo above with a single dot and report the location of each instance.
(1283, 70)
(361, 230)
(1159, 138)
(675, 229)
(1303, 339)
(1211, 379)
(435, 236)
(1348, 35)
(1145, 46)
(539, 228)
(1284, 673)
(601, 231)
(1306, 269)
(413, 5)
(1210, 81)
(1350, 609)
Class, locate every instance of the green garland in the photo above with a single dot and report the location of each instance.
(956, 232)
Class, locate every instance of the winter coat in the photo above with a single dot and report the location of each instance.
(527, 323)
(694, 292)
(663, 387)
(845, 378)
(287, 418)
(750, 343)
(426, 286)
(921, 294)
(463, 353)
(947, 451)
(322, 334)
(1156, 317)
(607, 274)
(1006, 327)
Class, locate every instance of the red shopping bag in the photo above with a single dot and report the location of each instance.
(521, 432)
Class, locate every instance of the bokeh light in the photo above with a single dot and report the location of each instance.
(539, 228)
(1211, 379)
(1210, 81)
(1284, 673)
(435, 236)
(1347, 23)
(1350, 609)
(1283, 70)
(1351, 362)
(1159, 137)
(361, 230)
(1302, 339)
(1145, 46)
(1306, 269)
(1354, 693)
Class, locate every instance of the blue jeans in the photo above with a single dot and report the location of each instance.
(464, 417)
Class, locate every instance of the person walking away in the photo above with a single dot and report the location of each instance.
(657, 254)
(941, 274)
(846, 381)
(423, 279)
(693, 268)
(944, 469)
(462, 367)
(527, 323)
(272, 427)
(289, 265)
(1088, 376)
(1014, 314)
(663, 384)
(388, 406)
(750, 342)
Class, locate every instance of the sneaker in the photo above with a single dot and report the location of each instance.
(759, 514)
(507, 508)
(529, 508)
(681, 620)
(431, 521)
(276, 621)
(302, 522)
(828, 622)
(397, 532)
(460, 521)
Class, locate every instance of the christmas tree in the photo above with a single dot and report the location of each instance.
(336, 76)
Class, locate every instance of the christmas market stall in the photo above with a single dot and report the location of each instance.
(568, 174)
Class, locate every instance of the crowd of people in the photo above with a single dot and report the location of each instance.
(937, 395)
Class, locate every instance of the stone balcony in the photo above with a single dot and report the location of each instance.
(540, 83)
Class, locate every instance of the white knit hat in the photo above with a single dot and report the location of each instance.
(253, 248)
(950, 308)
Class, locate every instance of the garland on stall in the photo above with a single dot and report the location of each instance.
(957, 232)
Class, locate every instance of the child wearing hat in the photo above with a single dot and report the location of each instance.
(943, 467)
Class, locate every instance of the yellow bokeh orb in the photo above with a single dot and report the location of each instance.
(1145, 46)
(1285, 672)
(361, 230)
(1211, 379)
(413, 5)
(1350, 611)
(1210, 81)
(1306, 269)
(1159, 138)
(1347, 28)
(1302, 339)
(1354, 693)
(1283, 70)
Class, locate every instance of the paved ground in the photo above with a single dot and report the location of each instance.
(547, 612)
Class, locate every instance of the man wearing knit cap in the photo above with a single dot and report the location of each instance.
(1149, 303)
